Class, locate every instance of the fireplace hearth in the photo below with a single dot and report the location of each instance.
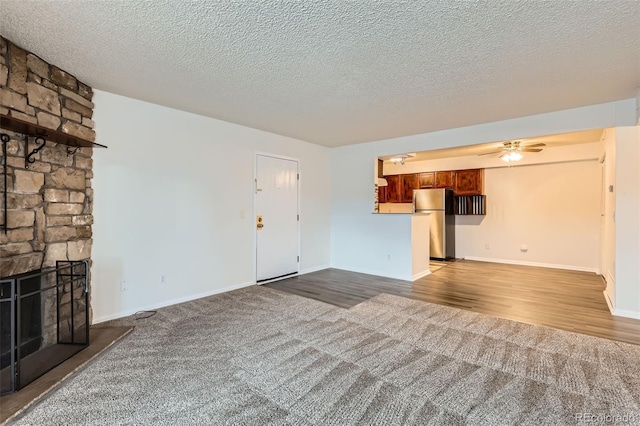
(44, 320)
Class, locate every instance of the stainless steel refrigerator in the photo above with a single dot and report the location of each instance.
(439, 203)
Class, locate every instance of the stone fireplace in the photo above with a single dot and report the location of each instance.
(45, 212)
(49, 204)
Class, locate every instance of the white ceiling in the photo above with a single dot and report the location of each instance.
(336, 72)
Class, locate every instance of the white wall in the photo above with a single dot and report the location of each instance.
(638, 107)
(551, 209)
(621, 234)
(620, 113)
(627, 218)
(174, 197)
(363, 240)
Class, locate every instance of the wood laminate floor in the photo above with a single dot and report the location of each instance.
(566, 300)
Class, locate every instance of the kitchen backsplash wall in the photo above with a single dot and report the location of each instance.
(395, 208)
(49, 204)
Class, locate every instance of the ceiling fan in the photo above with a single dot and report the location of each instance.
(512, 150)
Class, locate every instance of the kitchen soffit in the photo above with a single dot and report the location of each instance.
(551, 141)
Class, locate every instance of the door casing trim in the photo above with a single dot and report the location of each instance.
(255, 213)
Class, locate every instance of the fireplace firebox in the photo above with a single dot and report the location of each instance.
(44, 320)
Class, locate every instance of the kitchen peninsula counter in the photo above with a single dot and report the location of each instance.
(411, 232)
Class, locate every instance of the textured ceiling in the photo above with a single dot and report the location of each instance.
(341, 72)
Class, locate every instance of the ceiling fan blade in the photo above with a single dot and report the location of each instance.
(535, 145)
(531, 149)
(495, 151)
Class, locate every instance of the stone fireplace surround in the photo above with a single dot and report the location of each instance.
(49, 205)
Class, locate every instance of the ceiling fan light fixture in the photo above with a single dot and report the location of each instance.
(511, 156)
(512, 150)
(399, 159)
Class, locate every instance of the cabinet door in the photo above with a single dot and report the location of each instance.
(426, 180)
(469, 182)
(392, 190)
(382, 194)
(444, 179)
(408, 184)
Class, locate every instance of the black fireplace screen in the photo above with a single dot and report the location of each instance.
(44, 321)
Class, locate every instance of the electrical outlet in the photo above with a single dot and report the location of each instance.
(163, 279)
(487, 246)
(388, 257)
(123, 285)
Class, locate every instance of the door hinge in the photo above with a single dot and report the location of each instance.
(298, 217)
(298, 175)
(298, 258)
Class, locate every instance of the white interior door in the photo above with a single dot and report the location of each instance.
(276, 217)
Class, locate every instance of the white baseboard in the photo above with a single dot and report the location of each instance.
(539, 264)
(626, 314)
(612, 309)
(166, 303)
(421, 274)
(314, 269)
(619, 312)
(376, 273)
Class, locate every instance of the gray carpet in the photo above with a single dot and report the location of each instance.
(258, 356)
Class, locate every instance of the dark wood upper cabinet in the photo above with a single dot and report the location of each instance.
(426, 180)
(469, 182)
(391, 192)
(400, 188)
(444, 179)
(408, 184)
